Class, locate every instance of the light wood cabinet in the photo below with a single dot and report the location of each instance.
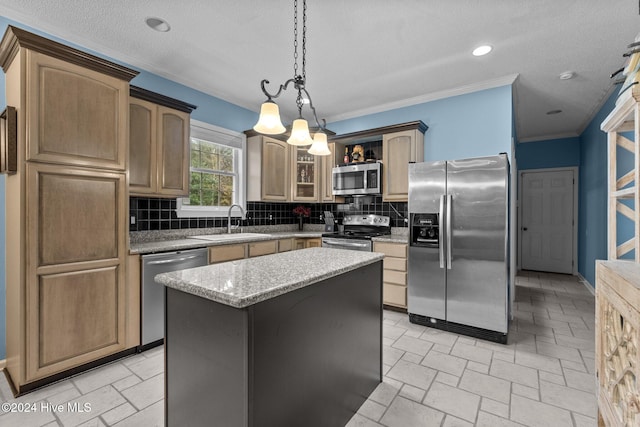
(76, 116)
(327, 164)
(275, 170)
(159, 145)
(262, 248)
(398, 150)
(305, 175)
(394, 273)
(309, 242)
(227, 253)
(66, 210)
(285, 245)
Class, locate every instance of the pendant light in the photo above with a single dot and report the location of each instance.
(270, 123)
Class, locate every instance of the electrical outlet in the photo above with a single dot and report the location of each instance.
(270, 217)
(133, 220)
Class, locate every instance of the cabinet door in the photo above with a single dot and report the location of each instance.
(275, 169)
(173, 152)
(313, 243)
(327, 164)
(143, 178)
(75, 116)
(398, 149)
(76, 267)
(304, 175)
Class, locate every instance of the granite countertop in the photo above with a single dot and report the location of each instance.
(249, 281)
(392, 238)
(193, 242)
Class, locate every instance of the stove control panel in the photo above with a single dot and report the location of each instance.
(375, 220)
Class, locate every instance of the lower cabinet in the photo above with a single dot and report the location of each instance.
(394, 275)
(304, 243)
(263, 248)
(285, 245)
(227, 253)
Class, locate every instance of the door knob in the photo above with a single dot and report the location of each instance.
(524, 228)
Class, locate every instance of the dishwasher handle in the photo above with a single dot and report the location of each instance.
(172, 260)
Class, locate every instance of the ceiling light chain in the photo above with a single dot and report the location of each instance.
(269, 122)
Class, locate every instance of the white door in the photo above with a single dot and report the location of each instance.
(547, 226)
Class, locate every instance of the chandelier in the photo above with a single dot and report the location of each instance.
(269, 122)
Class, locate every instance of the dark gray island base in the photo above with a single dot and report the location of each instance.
(307, 357)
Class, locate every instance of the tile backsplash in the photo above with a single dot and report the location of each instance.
(160, 214)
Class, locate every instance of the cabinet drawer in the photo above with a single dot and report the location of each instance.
(399, 264)
(263, 248)
(226, 253)
(285, 245)
(398, 250)
(394, 295)
(397, 277)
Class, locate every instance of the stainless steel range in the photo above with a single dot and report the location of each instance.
(357, 233)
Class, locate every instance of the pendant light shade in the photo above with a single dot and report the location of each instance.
(269, 122)
(300, 133)
(319, 146)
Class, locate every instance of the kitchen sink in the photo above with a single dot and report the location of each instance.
(230, 237)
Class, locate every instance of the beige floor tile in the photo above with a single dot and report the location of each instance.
(523, 390)
(485, 385)
(414, 393)
(451, 421)
(478, 367)
(580, 380)
(444, 362)
(384, 393)
(151, 416)
(148, 367)
(538, 414)
(99, 401)
(448, 379)
(413, 345)
(539, 361)
(98, 378)
(453, 401)
(406, 413)
(146, 393)
(514, 373)
(472, 352)
(489, 420)
(119, 413)
(359, 421)
(410, 373)
(496, 408)
(390, 355)
(392, 332)
(569, 398)
(372, 410)
(21, 418)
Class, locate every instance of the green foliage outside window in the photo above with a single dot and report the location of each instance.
(212, 174)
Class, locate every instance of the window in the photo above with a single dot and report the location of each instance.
(216, 178)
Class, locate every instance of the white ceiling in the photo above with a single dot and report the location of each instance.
(366, 55)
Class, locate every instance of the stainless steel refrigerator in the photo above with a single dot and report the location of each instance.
(459, 246)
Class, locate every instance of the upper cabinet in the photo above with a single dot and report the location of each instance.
(75, 116)
(398, 150)
(275, 170)
(305, 180)
(158, 144)
(402, 144)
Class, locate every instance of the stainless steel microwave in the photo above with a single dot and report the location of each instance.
(360, 179)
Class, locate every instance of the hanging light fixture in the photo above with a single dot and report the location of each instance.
(270, 123)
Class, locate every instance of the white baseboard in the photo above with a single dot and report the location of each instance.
(586, 284)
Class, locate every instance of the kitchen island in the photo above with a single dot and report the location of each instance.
(288, 339)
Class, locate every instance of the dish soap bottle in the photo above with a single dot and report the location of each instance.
(346, 155)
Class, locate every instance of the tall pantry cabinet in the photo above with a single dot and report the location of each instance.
(66, 208)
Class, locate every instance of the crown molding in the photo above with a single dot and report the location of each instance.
(433, 96)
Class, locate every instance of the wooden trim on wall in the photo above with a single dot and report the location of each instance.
(156, 98)
(16, 38)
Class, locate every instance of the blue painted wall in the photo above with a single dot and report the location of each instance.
(592, 211)
(553, 153)
(470, 125)
(210, 109)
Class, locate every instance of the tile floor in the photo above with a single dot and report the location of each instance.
(543, 377)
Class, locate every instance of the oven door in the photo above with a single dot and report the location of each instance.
(352, 244)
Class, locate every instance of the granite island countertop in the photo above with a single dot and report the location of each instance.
(245, 282)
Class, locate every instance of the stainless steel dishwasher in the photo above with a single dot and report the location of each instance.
(152, 300)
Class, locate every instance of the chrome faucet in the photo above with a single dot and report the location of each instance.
(229, 218)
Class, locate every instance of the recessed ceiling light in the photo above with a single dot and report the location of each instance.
(482, 50)
(158, 24)
(552, 112)
(567, 75)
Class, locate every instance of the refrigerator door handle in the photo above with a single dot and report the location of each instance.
(440, 235)
(449, 228)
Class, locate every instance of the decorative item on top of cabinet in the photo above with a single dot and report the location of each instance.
(67, 206)
(158, 144)
(394, 291)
